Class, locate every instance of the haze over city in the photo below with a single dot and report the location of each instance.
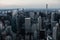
(29, 3)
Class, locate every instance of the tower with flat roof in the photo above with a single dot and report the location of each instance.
(27, 24)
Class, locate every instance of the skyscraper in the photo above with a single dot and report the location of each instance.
(46, 10)
(14, 12)
(27, 24)
(55, 32)
(31, 14)
(52, 16)
(40, 22)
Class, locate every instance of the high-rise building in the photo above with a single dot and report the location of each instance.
(31, 14)
(1, 26)
(35, 27)
(55, 32)
(14, 12)
(53, 23)
(39, 23)
(46, 10)
(27, 24)
(35, 35)
(46, 6)
(52, 16)
(38, 13)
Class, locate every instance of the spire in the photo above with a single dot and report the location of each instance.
(46, 10)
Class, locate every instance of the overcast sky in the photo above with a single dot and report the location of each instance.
(30, 3)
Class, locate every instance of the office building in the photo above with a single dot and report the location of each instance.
(55, 31)
(27, 24)
(31, 14)
(39, 23)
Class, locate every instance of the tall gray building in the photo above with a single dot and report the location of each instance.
(35, 27)
(31, 14)
(39, 23)
(52, 16)
(14, 12)
(1, 26)
(55, 32)
(27, 24)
